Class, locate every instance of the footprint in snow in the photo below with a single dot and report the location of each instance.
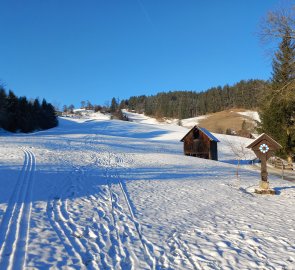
(89, 233)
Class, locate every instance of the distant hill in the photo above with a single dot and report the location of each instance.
(187, 104)
(232, 120)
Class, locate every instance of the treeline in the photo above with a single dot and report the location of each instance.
(186, 104)
(17, 114)
(277, 110)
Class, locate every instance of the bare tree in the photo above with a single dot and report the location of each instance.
(89, 106)
(241, 153)
(65, 108)
(274, 25)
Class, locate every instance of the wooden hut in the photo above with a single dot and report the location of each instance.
(199, 142)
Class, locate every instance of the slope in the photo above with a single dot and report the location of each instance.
(106, 194)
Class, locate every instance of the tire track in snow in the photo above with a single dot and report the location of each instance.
(14, 229)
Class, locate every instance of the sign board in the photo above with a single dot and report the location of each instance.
(264, 147)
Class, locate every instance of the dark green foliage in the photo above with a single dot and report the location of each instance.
(48, 118)
(18, 114)
(119, 115)
(283, 63)
(278, 105)
(114, 105)
(11, 112)
(116, 110)
(3, 102)
(186, 104)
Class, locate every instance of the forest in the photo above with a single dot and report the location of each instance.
(185, 104)
(18, 114)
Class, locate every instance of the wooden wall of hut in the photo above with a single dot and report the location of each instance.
(197, 144)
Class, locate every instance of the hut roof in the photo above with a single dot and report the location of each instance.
(264, 136)
(205, 131)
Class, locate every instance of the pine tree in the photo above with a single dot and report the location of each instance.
(3, 104)
(18, 114)
(11, 108)
(283, 63)
(278, 108)
(114, 105)
(38, 117)
(49, 119)
(22, 114)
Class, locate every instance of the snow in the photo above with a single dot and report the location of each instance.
(89, 114)
(190, 122)
(96, 193)
(80, 110)
(143, 119)
(140, 118)
(252, 114)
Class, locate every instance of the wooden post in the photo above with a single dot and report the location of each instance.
(264, 184)
(264, 147)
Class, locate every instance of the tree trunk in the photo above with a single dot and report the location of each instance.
(289, 153)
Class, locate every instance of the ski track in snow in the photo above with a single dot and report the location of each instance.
(124, 222)
(100, 218)
(83, 252)
(112, 247)
(15, 224)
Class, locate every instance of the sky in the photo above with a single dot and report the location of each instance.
(72, 50)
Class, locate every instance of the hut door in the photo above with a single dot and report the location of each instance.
(196, 141)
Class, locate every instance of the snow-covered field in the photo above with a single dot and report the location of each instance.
(143, 119)
(252, 114)
(106, 194)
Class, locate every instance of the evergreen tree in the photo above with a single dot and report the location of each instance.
(3, 105)
(278, 108)
(18, 114)
(11, 112)
(186, 104)
(283, 63)
(23, 116)
(114, 105)
(38, 116)
(49, 119)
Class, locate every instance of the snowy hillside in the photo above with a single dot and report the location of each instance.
(107, 194)
(224, 118)
(251, 114)
(141, 118)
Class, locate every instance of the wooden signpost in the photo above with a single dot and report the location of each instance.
(264, 147)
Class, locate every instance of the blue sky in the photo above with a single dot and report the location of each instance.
(73, 50)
